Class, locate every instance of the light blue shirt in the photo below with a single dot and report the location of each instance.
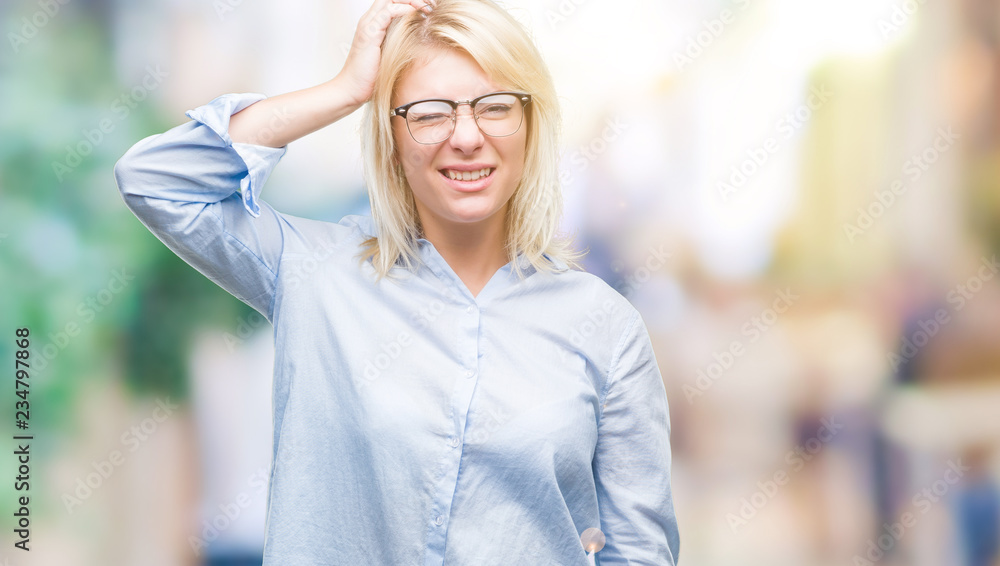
(415, 423)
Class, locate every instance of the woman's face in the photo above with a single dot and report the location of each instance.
(454, 75)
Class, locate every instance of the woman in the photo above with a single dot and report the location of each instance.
(446, 389)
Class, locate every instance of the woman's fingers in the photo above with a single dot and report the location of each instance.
(381, 7)
(374, 23)
(362, 63)
(361, 67)
(419, 4)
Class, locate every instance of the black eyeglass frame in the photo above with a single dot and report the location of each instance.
(523, 97)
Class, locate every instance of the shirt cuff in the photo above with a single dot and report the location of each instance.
(259, 160)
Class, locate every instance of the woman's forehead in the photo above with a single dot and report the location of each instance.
(443, 72)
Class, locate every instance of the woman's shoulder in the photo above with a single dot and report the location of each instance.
(590, 292)
(307, 235)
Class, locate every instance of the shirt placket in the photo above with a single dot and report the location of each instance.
(467, 354)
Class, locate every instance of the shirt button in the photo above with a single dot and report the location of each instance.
(454, 441)
(439, 520)
(470, 373)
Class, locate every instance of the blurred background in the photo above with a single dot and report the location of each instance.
(801, 197)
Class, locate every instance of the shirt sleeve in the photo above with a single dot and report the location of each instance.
(198, 192)
(632, 459)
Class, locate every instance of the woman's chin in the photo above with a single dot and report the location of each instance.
(471, 214)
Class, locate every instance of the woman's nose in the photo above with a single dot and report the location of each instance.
(467, 135)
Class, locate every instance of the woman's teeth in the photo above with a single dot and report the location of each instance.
(467, 175)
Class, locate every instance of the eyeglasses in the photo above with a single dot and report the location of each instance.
(431, 121)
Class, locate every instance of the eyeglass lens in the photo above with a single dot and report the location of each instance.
(433, 121)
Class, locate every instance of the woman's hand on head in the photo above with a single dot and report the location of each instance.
(361, 68)
(278, 120)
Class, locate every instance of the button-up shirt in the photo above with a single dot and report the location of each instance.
(415, 423)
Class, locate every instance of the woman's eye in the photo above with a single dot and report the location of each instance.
(427, 118)
(496, 109)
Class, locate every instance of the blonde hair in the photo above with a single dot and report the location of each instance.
(506, 53)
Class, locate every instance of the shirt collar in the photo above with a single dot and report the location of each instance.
(367, 226)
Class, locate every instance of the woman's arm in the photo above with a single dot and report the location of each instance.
(277, 121)
(196, 187)
(632, 459)
(197, 192)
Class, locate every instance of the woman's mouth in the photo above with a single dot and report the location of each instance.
(468, 181)
(467, 175)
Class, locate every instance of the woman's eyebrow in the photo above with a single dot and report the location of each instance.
(438, 95)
